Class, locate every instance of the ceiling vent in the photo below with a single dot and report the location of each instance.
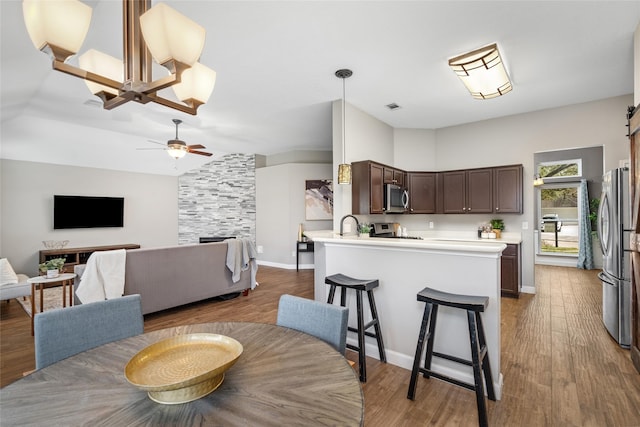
(393, 106)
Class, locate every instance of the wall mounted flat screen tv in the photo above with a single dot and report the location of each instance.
(87, 212)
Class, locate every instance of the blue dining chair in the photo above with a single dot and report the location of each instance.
(327, 322)
(63, 332)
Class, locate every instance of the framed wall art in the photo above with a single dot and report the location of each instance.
(318, 199)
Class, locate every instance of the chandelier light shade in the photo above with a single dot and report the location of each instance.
(98, 62)
(344, 169)
(196, 84)
(171, 36)
(58, 27)
(483, 73)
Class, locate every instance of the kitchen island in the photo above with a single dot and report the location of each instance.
(404, 267)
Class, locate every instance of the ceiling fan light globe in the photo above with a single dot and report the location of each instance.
(105, 65)
(196, 84)
(177, 153)
(170, 35)
(61, 24)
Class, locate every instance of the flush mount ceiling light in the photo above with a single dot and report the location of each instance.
(482, 72)
(59, 28)
(344, 169)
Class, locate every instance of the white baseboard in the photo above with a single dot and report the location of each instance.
(286, 266)
(528, 289)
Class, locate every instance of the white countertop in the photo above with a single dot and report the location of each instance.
(451, 240)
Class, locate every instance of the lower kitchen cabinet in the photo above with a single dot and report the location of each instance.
(510, 271)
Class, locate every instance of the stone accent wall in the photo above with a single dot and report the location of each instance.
(218, 199)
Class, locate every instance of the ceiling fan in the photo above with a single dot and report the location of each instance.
(178, 148)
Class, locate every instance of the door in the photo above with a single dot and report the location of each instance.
(634, 184)
(422, 192)
(507, 194)
(480, 191)
(454, 194)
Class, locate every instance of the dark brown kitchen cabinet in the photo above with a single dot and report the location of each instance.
(482, 190)
(467, 191)
(510, 271)
(507, 192)
(422, 192)
(394, 176)
(367, 188)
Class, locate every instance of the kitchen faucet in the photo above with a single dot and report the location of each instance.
(342, 223)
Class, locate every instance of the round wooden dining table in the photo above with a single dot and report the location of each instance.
(283, 377)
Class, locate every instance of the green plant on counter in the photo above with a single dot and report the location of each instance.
(52, 264)
(364, 229)
(497, 224)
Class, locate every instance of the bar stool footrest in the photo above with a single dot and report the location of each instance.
(430, 373)
(453, 358)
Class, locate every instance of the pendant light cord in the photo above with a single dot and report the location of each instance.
(344, 74)
(344, 123)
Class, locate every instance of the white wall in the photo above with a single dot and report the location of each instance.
(415, 149)
(150, 204)
(280, 209)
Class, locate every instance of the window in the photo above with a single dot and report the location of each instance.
(559, 219)
(549, 171)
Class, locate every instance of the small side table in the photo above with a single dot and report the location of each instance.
(42, 282)
(302, 247)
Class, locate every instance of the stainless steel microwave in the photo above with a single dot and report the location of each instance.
(396, 199)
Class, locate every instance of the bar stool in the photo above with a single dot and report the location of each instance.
(359, 285)
(474, 305)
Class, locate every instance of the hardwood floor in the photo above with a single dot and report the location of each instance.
(560, 366)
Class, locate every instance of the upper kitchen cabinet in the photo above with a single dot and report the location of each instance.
(367, 188)
(422, 192)
(467, 191)
(394, 176)
(507, 193)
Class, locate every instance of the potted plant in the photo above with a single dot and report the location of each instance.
(364, 230)
(52, 267)
(594, 204)
(497, 225)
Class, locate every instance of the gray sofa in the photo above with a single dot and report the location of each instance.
(172, 276)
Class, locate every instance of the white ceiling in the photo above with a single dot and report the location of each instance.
(275, 64)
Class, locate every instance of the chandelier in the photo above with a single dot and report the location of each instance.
(59, 27)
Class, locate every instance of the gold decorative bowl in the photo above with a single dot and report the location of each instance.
(183, 368)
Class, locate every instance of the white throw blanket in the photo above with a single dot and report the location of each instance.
(103, 278)
(241, 255)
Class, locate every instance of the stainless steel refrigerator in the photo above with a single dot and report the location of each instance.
(614, 229)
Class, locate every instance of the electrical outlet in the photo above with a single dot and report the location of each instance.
(430, 224)
(260, 249)
(525, 225)
(293, 254)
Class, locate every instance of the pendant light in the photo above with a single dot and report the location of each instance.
(344, 169)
